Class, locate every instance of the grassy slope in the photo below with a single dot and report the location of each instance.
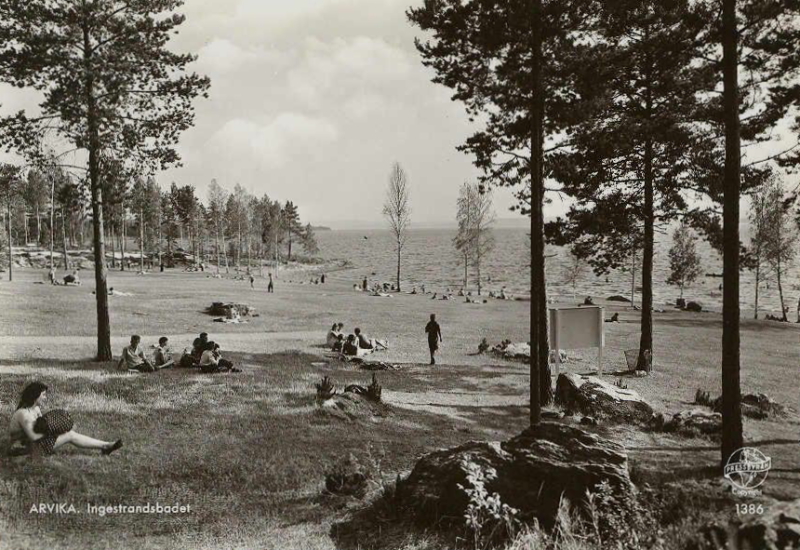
(249, 451)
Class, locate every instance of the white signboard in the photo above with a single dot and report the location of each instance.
(577, 328)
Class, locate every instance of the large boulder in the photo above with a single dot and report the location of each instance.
(696, 307)
(778, 528)
(530, 473)
(591, 396)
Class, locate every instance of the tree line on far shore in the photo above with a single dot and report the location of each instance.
(50, 208)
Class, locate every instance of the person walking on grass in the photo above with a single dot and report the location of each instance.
(270, 287)
(252, 280)
(434, 332)
(32, 432)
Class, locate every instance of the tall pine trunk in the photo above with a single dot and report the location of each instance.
(101, 287)
(758, 284)
(643, 363)
(108, 234)
(38, 226)
(778, 273)
(141, 239)
(732, 438)
(537, 122)
(8, 225)
(52, 219)
(25, 220)
(122, 238)
(64, 237)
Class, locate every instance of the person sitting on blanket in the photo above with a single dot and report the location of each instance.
(162, 357)
(350, 347)
(133, 357)
(212, 360)
(339, 343)
(72, 279)
(368, 343)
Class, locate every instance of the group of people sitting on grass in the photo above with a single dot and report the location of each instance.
(205, 355)
(354, 344)
(69, 279)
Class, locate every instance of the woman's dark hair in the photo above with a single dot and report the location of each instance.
(210, 345)
(333, 328)
(30, 394)
(163, 340)
(351, 337)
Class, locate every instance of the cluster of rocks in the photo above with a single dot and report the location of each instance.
(690, 423)
(231, 310)
(530, 473)
(754, 405)
(356, 402)
(777, 528)
(348, 479)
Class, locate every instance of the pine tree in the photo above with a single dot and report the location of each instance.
(109, 82)
(517, 68)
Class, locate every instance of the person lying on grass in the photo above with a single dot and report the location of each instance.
(32, 432)
(72, 279)
(212, 360)
(162, 356)
(369, 343)
(133, 357)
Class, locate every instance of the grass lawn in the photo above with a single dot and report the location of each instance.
(248, 452)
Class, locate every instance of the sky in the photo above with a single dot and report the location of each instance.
(313, 101)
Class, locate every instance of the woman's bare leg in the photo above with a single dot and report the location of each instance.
(80, 440)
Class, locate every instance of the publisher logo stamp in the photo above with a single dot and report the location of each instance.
(746, 470)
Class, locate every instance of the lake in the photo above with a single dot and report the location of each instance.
(430, 258)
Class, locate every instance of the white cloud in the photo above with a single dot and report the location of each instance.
(274, 143)
(341, 65)
(221, 56)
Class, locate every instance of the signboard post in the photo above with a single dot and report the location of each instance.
(577, 328)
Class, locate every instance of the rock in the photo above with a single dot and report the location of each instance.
(348, 478)
(552, 414)
(697, 307)
(353, 406)
(680, 302)
(618, 298)
(591, 396)
(778, 528)
(588, 421)
(694, 423)
(530, 473)
(757, 406)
